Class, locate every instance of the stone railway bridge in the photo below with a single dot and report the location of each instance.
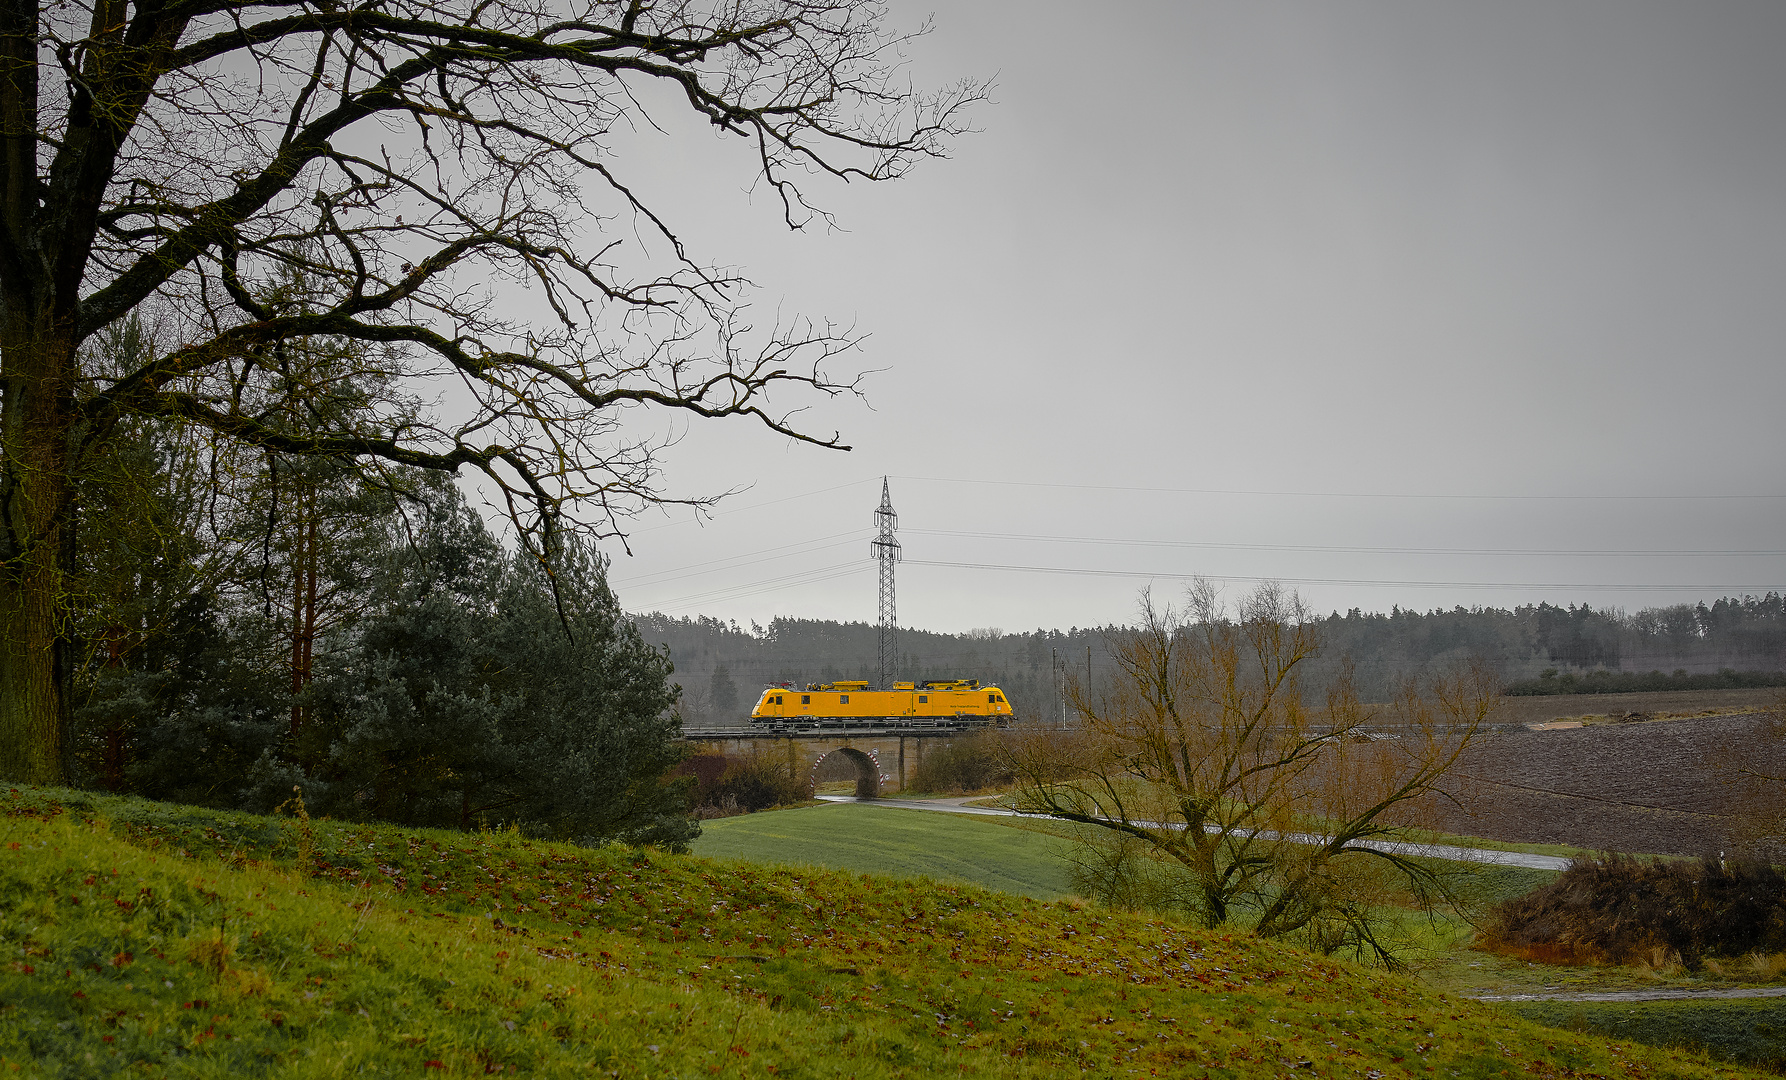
(886, 757)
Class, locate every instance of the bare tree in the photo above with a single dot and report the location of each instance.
(414, 163)
(1207, 784)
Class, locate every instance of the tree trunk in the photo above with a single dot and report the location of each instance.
(297, 610)
(34, 670)
(312, 555)
(305, 556)
(36, 556)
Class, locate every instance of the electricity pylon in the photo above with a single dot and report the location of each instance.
(886, 552)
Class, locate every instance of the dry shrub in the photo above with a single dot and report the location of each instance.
(964, 766)
(1765, 967)
(1664, 963)
(1624, 910)
(306, 833)
(743, 783)
(706, 769)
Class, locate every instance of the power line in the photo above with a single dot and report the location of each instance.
(787, 581)
(659, 577)
(1042, 538)
(1595, 497)
(819, 544)
(705, 515)
(1328, 494)
(807, 547)
(1085, 572)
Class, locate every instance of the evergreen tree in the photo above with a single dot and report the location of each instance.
(722, 692)
(485, 693)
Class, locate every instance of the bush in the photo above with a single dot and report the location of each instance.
(963, 766)
(1619, 909)
(706, 769)
(755, 781)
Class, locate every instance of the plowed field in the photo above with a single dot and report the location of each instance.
(1667, 787)
(1526, 710)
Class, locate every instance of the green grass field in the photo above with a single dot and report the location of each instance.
(1751, 1031)
(139, 939)
(902, 843)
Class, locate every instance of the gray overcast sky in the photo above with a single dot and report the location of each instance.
(1404, 303)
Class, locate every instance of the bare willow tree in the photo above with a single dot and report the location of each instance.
(1206, 783)
(418, 163)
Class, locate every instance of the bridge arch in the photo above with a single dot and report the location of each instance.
(867, 764)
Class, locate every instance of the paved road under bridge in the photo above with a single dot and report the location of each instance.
(886, 757)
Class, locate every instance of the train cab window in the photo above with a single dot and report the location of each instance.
(778, 699)
(843, 699)
(923, 698)
(806, 699)
(990, 698)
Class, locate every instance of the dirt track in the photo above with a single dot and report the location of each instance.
(1659, 787)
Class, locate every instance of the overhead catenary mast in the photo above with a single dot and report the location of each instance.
(886, 552)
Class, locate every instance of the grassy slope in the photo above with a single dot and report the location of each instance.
(147, 940)
(902, 843)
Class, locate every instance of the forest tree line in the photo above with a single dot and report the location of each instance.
(724, 667)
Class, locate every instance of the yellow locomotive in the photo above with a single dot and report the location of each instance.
(937, 703)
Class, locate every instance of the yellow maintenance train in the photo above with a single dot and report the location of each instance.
(938, 703)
